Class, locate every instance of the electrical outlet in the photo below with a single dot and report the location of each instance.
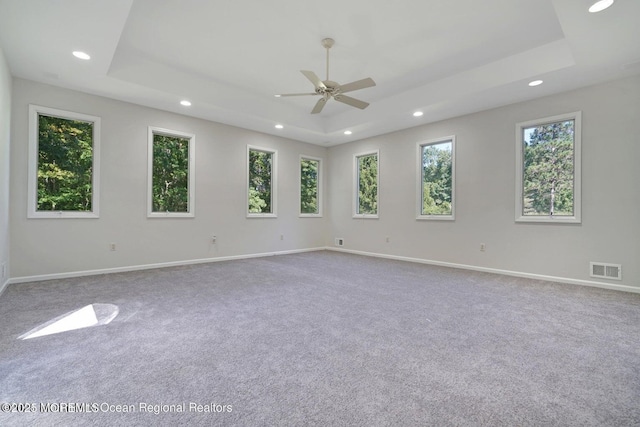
(214, 239)
(339, 241)
(483, 247)
(387, 239)
(112, 246)
(282, 237)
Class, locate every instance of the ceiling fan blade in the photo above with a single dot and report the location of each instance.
(295, 94)
(351, 101)
(319, 105)
(360, 84)
(313, 78)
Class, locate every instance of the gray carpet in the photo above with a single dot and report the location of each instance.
(324, 339)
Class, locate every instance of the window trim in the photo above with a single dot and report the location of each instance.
(576, 218)
(153, 130)
(420, 146)
(274, 183)
(33, 150)
(356, 180)
(319, 187)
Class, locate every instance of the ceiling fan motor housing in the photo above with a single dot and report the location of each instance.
(331, 87)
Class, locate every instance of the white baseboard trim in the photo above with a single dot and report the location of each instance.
(43, 277)
(591, 283)
(4, 286)
(66, 275)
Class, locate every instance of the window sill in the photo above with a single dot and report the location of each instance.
(547, 219)
(62, 215)
(170, 215)
(261, 215)
(435, 218)
(366, 216)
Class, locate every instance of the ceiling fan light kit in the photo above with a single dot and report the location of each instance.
(329, 89)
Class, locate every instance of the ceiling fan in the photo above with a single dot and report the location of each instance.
(329, 89)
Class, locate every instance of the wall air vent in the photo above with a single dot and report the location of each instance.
(605, 271)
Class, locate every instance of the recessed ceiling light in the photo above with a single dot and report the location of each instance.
(535, 83)
(600, 5)
(277, 96)
(417, 113)
(347, 132)
(279, 126)
(185, 103)
(81, 55)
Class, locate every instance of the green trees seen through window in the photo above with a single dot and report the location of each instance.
(437, 178)
(260, 181)
(65, 164)
(170, 176)
(367, 184)
(549, 169)
(309, 184)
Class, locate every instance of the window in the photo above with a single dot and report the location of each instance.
(64, 164)
(310, 186)
(436, 163)
(366, 173)
(261, 178)
(548, 169)
(171, 168)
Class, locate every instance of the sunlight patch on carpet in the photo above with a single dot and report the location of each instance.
(85, 317)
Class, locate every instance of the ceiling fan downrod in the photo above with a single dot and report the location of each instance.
(327, 44)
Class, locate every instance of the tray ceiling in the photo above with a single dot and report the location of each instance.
(229, 58)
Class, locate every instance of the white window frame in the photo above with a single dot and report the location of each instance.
(356, 180)
(319, 187)
(274, 183)
(33, 151)
(576, 218)
(421, 145)
(192, 173)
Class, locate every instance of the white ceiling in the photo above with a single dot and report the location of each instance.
(229, 57)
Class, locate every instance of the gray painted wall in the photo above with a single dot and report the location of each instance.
(5, 125)
(485, 191)
(49, 246)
